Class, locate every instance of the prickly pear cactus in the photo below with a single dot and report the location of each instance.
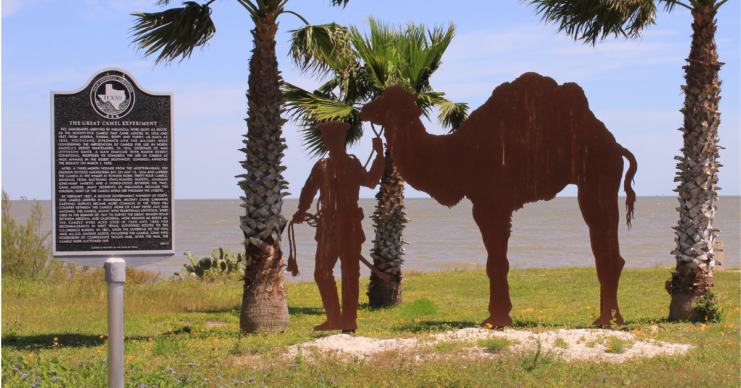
(221, 262)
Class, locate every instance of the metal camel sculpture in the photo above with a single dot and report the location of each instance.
(525, 144)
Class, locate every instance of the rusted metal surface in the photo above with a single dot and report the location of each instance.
(525, 144)
(339, 232)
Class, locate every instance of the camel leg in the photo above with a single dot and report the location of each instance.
(495, 229)
(602, 214)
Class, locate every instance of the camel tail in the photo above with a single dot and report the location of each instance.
(630, 201)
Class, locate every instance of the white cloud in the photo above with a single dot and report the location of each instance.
(485, 55)
(10, 7)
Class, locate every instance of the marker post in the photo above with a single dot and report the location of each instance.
(112, 185)
(115, 276)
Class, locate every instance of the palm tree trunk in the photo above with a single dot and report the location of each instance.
(388, 220)
(264, 307)
(697, 175)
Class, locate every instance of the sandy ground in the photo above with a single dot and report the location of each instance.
(574, 345)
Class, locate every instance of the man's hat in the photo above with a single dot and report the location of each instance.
(333, 128)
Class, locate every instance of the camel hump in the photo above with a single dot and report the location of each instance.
(531, 81)
(544, 89)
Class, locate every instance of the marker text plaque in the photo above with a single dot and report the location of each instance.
(112, 172)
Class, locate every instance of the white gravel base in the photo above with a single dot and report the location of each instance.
(581, 344)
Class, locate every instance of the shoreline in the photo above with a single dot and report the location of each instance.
(545, 234)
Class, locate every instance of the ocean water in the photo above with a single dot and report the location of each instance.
(544, 234)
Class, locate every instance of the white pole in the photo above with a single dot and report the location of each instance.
(115, 276)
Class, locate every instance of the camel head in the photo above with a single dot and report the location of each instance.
(394, 98)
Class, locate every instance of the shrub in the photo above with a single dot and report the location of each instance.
(710, 307)
(24, 251)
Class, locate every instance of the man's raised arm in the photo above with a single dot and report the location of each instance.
(372, 177)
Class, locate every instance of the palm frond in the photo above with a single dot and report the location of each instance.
(262, 8)
(387, 55)
(311, 109)
(321, 49)
(450, 114)
(378, 52)
(590, 20)
(343, 3)
(427, 100)
(353, 84)
(421, 56)
(174, 32)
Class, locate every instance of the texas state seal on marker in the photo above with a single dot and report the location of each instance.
(112, 96)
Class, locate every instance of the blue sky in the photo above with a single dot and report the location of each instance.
(632, 85)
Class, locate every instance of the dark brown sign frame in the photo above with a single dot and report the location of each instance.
(112, 172)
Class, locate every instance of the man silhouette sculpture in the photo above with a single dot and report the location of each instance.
(339, 233)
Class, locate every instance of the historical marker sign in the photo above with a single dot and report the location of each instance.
(112, 172)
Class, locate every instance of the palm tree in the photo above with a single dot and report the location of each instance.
(358, 69)
(175, 33)
(589, 20)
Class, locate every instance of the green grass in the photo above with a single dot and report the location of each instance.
(57, 330)
(418, 309)
(560, 343)
(494, 345)
(616, 345)
(445, 347)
